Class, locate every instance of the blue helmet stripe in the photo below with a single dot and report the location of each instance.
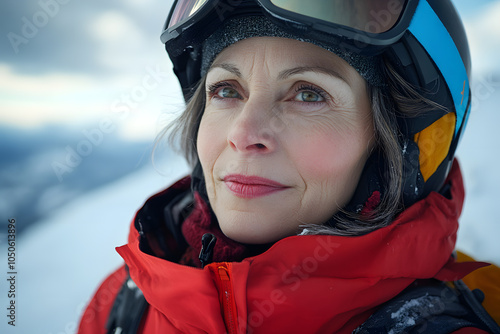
(432, 34)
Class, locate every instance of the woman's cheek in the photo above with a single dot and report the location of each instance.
(210, 141)
(315, 158)
(202, 142)
(325, 153)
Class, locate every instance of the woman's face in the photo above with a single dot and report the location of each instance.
(285, 134)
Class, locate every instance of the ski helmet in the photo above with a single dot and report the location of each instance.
(424, 40)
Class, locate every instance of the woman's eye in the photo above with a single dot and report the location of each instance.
(223, 90)
(308, 96)
(228, 93)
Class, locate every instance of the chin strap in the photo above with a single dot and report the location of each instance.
(370, 186)
(198, 184)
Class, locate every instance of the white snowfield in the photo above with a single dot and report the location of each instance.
(62, 259)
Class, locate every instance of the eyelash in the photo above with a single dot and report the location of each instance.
(213, 88)
(314, 89)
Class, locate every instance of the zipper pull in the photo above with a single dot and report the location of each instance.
(207, 248)
(223, 274)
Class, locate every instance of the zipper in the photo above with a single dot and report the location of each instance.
(207, 249)
(222, 272)
(477, 308)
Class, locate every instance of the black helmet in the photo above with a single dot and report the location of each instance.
(424, 40)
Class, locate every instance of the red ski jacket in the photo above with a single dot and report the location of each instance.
(302, 284)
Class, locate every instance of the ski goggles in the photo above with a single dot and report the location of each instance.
(366, 27)
(376, 23)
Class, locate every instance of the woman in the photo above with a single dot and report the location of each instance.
(324, 196)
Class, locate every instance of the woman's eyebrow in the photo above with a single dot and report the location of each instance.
(316, 69)
(285, 73)
(228, 67)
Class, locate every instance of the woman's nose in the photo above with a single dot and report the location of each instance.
(251, 130)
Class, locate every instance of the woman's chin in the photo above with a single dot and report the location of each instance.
(248, 228)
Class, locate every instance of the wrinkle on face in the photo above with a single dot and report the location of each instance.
(318, 150)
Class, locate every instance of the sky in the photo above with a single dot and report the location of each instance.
(74, 63)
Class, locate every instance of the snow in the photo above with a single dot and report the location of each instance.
(406, 315)
(411, 310)
(62, 259)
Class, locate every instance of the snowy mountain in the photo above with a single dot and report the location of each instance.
(62, 259)
(43, 169)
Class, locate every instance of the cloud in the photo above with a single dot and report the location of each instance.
(50, 41)
(483, 30)
(120, 41)
(84, 59)
(63, 42)
(133, 103)
(141, 4)
(29, 100)
(40, 85)
(113, 26)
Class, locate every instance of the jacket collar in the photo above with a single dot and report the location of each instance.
(333, 283)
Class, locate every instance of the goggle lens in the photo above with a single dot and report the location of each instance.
(185, 9)
(372, 16)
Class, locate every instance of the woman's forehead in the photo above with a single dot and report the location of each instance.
(279, 56)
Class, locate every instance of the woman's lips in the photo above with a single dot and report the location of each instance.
(251, 186)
